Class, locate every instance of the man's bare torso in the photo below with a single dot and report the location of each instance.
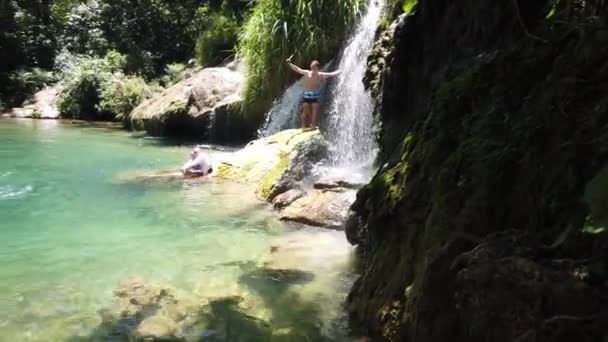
(312, 81)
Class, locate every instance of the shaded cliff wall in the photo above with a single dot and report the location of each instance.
(495, 116)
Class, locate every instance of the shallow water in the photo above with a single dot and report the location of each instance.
(78, 215)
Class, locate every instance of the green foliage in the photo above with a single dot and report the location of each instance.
(84, 85)
(123, 93)
(83, 32)
(34, 32)
(408, 5)
(216, 43)
(173, 73)
(30, 80)
(277, 29)
(23, 82)
(395, 8)
(60, 10)
(153, 33)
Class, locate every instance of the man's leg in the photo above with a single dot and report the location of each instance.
(304, 119)
(315, 110)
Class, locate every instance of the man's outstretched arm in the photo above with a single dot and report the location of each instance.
(330, 74)
(296, 68)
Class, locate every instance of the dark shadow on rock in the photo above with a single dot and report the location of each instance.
(226, 322)
(293, 319)
(282, 278)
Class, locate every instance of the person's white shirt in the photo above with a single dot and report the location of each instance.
(200, 163)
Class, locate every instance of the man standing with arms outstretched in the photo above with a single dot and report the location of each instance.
(312, 84)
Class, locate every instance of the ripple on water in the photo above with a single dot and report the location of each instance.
(5, 174)
(10, 192)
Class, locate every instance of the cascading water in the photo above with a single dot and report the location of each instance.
(283, 113)
(350, 120)
(350, 113)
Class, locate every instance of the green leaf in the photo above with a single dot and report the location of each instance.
(408, 5)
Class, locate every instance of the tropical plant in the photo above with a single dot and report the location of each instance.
(216, 43)
(31, 80)
(83, 32)
(308, 29)
(84, 85)
(23, 82)
(123, 93)
(173, 73)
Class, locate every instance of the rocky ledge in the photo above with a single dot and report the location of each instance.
(282, 166)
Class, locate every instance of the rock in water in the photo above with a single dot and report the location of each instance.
(276, 163)
(287, 198)
(41, 105)
(157, 328)
(187, 107)
(149, 312)
(322, 208)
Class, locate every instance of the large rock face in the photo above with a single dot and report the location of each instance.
(207, 100)
(495, 120)
(41, 105)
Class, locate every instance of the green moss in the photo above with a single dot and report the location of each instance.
(270, 179)
(224, 170)
(499, 149)
(408, 5)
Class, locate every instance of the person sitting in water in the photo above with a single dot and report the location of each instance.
(312, 83)
(198, 165)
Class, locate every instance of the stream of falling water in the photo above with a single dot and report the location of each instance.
(350, 113)
(350, 109)
(284, 112)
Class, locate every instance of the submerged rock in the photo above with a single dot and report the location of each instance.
(312, 249)
(154, 177)
(157, 328)
(145, 311)
(187, 107)
(41, 105)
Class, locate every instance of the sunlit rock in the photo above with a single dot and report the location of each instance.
(187, 108)
(41, 105)
(277, 163)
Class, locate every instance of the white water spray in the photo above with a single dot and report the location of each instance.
(284, 112)
(350, 113)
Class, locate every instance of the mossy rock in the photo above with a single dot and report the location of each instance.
(268, 161)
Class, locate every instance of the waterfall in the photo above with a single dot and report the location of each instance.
(284, 112)
(350, 112)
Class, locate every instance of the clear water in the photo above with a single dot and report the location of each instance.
(76, 218)
(350, 114)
